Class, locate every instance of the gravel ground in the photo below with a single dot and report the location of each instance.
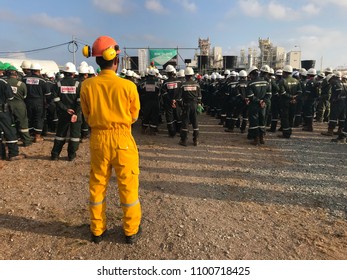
(224, 199)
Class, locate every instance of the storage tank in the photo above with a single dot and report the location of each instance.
(229, 61)
(307, 64)
(202, 62)
(134, 63)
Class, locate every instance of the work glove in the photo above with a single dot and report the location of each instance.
(199, 109)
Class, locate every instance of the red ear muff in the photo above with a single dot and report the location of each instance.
(86, 51)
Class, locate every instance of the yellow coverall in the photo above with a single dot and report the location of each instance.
(110, 105)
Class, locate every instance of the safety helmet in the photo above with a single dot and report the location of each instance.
(338, 74)
(152, 72)
(265, 68)
(243, 74)
(91, 70)
(124, 71)
(35, 66)
(69, 68)
(189, 71)
(50, 74)
(295, 74)
(303, 72)
(272, 71)
(227, 72)
(328, 70)
(312, 72)
(84, 63)
(11, 68)
(170, 68)
(253, 68)
(104, 46)
(232, 74)
(26, 64)
(288, 69)
(129, 73)
(321, 74)
(279, 72)
(213, 76)
(83, 69)
(180, 73)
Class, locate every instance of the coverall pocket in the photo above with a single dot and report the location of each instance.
(123, 142)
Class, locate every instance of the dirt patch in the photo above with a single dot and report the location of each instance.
(224, 199)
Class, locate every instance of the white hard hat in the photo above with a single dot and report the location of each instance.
(272, 71)
(189, 71)
(35, 66)
(26, 64)
(321, 74)
(303, 72)
(288, 69)
(180, 73)
(83, 69)
(243, 73)
(50, 74)
(213, 76)
(328, 70)
(151, 72)
(69, 68)
(227, 72)
(91, 69)
(265, 68)
(124, 71)
(170, 68)
(253, 68)
(232, 74)
(129, 73)
(279, 72)
(338, 74)
(312, 72)
(83, 63)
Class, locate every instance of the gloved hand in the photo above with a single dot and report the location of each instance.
(199, 109)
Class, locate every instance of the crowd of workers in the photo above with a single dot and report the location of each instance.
(257, 101)
(33, 103)
(76, 107)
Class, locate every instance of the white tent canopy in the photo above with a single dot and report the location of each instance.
(47, 65)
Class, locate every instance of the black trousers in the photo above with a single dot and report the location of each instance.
(9, 133)
(189, 115)
(36, 114)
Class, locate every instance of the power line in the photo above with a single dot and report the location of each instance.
(40, 49)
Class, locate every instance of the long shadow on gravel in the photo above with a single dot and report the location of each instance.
(56, 228)
(249, 194)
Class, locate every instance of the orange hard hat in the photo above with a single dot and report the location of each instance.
(102, 43)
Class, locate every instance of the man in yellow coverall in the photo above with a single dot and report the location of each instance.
(110, 105)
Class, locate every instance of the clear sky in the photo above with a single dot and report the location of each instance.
(317, 27)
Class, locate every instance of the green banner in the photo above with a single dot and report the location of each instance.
(161, 56)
